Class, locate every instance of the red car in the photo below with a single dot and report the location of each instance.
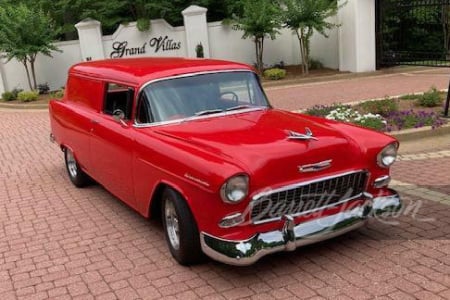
(196, 142)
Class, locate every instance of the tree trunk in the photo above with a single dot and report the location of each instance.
(259, 47)
(25, 63)
(33, 72)
(300, 36)
(305, 52)
(261, 51)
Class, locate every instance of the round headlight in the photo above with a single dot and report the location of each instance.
(387, 156)
(235, 189)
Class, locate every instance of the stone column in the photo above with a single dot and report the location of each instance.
(2, 81)
(196, 28)
(357, 36)
(90, 36)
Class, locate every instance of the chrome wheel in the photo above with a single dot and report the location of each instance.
(172, 226)
(71, 164)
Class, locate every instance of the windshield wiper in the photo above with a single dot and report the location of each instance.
(208, 112)
(237, 107)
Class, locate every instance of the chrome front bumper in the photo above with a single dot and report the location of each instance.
(291, 236)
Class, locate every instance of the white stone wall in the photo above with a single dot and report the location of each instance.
(350, 47)
(51, 70)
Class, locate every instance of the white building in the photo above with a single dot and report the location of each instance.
(350, 47)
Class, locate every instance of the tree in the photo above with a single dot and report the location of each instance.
(258, 19)
(305, 16)
(24, 33)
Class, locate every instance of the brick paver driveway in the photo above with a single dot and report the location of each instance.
(60, 242)
(302, 96)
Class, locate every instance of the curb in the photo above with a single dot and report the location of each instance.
(420, 133)
(23, 106)
(286, 83)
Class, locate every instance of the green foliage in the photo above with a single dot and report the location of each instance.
(414, 119)
(315, 64)
(16, 92)
(430, 98)
(409, 97)
(324, 110)
(258, 19)
(28, 96)
(382, 107)
(8, 96)
(306, 16)
(24, 33)
(143, 24)
(199, 51)
(372, 123)
(57, 94)
(275, 74)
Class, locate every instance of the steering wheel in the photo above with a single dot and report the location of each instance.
(234, 96)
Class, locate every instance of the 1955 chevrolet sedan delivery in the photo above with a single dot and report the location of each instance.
(197, 143)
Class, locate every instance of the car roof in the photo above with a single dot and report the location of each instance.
(137, 71)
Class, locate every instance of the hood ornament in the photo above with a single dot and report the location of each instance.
(308, 135)
(315, 167)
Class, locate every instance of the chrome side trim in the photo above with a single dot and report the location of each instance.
(291, 236)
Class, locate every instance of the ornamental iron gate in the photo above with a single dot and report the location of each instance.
(413, 32)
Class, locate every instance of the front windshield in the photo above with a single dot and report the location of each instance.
(198, 95)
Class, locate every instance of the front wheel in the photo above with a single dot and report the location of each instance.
(78, 177)
(180, 229)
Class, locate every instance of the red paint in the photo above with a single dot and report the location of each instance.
(131, 162)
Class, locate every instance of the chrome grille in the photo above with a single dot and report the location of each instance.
(308, 197)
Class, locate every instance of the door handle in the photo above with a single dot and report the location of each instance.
(94, 121)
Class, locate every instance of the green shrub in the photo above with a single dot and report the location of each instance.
(8, 96)
(275, 74)
(382, 107)
(315, 64)
(431, 98)
(16, 92)
(28, 96)
(57, 94)
(409, 97)
(324, 110)
(372, 122)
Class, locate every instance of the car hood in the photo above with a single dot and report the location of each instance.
(258, 143)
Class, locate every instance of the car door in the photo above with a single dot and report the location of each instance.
(112, 143)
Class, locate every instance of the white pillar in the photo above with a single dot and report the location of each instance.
(2, 81)
(196, 28)
(357, 40)
(90, 35)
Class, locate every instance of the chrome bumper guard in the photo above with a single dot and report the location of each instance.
(291, 236)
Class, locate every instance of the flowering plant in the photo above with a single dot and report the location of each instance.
(346, 114)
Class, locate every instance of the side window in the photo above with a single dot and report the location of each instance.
(118, 97)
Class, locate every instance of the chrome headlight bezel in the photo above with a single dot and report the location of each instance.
(387, 156)
(235, 189)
